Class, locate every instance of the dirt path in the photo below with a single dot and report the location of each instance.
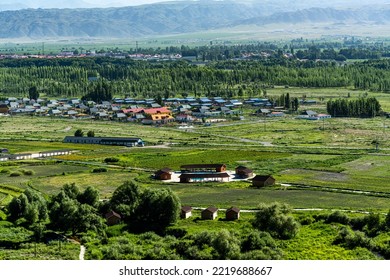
(82, 253)
(67, 129)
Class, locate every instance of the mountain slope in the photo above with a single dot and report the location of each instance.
(167, 18)
(120, 22)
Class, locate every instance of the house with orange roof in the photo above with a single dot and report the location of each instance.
(157, 115)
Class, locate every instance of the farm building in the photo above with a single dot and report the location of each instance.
(263, 181)
(4, 158)
(185, 212)
(113, 141)
(233, 213)
(21, 156)
(4, 150)
(203, 168)
(203, 177)
(243, 172)
(163, 174)
(55, 153)
(210, 213)
(113, 218)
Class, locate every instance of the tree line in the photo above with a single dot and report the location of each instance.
(72, 211)
(144, 79)
(360, 108)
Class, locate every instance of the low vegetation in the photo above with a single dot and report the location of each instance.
(330, 201)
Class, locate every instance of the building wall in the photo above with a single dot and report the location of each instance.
(231, 215)
(165, 176)
(221, 169)
(207, 215)
(268, 182)
(185, 215)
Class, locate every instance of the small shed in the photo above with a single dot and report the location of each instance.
(210, 213)
(163, 174)
(185, 212)
(233, 213)
(243, 172)
(263, 181)
(113, 218)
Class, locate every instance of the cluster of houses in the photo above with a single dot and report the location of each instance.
(280, 112)
(213, 173)
(145, 111)
(312, 115)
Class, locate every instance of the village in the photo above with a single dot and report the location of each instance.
(147, 111)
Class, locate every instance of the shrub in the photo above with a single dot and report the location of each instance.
(111, 160)
(306, 220)
(257, 240)
(99, 170)
(338, 217)
(15, 174)
(27, 172)
(352, 239)
(276, 220)
(176, 232)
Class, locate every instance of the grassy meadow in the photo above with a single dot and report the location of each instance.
(319, 166)
(331, 157)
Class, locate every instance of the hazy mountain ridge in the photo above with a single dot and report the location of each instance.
(167, 18)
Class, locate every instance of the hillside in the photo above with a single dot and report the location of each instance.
(170, 18)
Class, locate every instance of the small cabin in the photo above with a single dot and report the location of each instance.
(113, 218)
(185, 212)
(243, 172)
(263, 181)
(210, 213)
(163, 174)
(233, 213)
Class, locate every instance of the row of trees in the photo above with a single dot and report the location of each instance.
(285, 101)
(72, 211)
(361, 107)
(80, 133)
(125, 77)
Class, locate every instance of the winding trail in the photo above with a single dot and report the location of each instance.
(82, 252)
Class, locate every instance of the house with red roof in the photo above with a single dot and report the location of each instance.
(157, 115)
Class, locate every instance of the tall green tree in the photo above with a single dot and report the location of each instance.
(157, 209)
(79, 133)
(30, 205)
(70, 211)
(126, 199)
(33, 93)
(276, 219)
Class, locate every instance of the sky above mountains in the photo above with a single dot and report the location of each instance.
(20, 4)
(298, 4)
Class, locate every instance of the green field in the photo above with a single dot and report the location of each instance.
(334, 154)
(319, 167)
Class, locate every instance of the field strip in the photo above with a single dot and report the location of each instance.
(298, 210)
(380, 194)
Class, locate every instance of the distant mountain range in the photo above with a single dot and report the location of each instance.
(171, 18)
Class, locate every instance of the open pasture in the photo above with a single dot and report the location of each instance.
(335, 153)
(367, 173)
(248, 198)
(105, 182)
